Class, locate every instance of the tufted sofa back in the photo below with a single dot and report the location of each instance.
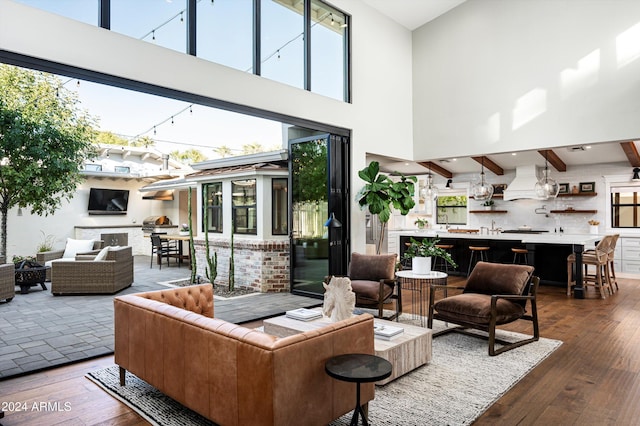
(196, 298)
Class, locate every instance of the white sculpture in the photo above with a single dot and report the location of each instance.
(339, 299)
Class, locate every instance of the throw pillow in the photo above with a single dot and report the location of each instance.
(74, 247)
(103, 254)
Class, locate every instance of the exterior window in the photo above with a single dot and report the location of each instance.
(625, 207)
(282, 49)
(93, 167)
(156, 21)
(213, 204)
(279, 207)
(452, 210)
(244, 210)
(328, 50)
(215, 21)
(80, 10)
(122, 169)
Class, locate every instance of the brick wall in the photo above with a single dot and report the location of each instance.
(261, 265)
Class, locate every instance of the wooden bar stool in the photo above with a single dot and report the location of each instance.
(479, 253)
(520, 255)
(440, 264)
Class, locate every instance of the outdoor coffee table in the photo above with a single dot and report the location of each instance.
(358, 368)
(406, 351)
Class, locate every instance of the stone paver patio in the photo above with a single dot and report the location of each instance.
(40, 331)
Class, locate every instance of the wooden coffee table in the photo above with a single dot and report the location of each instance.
(406, 351)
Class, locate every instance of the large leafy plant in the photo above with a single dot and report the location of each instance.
(427, 247)
(380, 193)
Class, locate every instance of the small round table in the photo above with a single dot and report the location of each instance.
(415, 283)
(358, 368)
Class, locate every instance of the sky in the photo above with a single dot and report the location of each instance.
(131, 114)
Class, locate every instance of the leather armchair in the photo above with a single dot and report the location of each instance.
(374, 283)
(495, 294)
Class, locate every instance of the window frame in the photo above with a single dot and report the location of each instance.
(213, 208)
(284, 182)
(448, 208)
(246, 208)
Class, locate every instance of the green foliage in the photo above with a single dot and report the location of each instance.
(111, 139)
(189, 156)
(427, 248)
(380, 193)
(252, 148)
(232, 275)
(488, 203)
(223, 151)
(211, 270)
(192, 248)
(46, 244)
(45, 139)
(309, 169)
(145, 141)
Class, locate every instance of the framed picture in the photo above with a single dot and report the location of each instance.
(587, 187)
(564, 188)
(499, 188)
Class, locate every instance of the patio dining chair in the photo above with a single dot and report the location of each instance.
(163, 249)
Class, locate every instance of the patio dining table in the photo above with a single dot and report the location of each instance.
(181, 239)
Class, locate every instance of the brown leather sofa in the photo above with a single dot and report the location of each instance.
(231, 374)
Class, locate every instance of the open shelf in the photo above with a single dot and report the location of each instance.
(488, 211)
(579, 194)
(574, 211)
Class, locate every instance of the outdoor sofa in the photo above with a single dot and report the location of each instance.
(72, 247)
(85, 274)
(7, 282)
(230, 374)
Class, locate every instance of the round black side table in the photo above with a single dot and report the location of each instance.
(358, 368)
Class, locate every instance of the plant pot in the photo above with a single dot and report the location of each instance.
(488, 207)
(421, 265)
(183, 233)
(593, 229)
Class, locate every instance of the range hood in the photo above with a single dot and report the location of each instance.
(159, 195)
(523, 185)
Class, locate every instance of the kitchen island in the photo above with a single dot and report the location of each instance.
(547, 251)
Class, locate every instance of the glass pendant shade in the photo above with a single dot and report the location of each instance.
(482, 190)
(547, 187)
(429, 192)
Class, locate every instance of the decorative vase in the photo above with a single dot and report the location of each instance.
(593, 229)
(488, 207)
(421, 265)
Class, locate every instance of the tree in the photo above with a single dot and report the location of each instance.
(223, 151)
(252, 148)
(45, 138)
(380, 193)
(108, 138)
(145, 141)
(189, 156)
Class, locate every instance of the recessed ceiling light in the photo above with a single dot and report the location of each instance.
(588, 146)
(514, 153)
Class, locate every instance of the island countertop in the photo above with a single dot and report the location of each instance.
(525, 238)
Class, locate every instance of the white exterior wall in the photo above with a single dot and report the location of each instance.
(498, 76)
(380, 116)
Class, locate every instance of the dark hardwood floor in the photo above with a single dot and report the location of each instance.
(593, 379)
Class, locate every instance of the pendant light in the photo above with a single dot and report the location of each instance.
(482, 190)
(430, 191)
(546, 187)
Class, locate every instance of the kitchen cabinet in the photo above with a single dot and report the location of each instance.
(627, 255)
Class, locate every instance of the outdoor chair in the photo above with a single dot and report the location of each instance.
(495, 294)
(163, 249)
(373, 281)
(71, 249)
(7, 282)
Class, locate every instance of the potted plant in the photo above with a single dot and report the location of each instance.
(421, 223)
(421, 252)
(488, 205)
(380, 193)
(184, 229)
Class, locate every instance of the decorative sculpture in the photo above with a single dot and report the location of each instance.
(339, 299)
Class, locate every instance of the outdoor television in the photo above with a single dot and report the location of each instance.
(108, 201)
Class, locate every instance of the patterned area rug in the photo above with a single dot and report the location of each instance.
(459, 384)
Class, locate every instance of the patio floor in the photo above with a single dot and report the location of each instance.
(40, 331)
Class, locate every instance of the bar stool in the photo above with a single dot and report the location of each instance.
(440, 264)
(479, 253)
(520, 254)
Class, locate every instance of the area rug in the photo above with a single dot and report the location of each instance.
(459, 384)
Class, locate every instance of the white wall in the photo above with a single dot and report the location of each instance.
(498, 76)
(380, 115)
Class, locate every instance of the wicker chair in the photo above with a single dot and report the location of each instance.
(83, 275)
(7, 282)
(45, 256)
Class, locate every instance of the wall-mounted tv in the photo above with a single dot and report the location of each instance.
(108, 201)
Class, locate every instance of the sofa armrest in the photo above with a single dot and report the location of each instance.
(45, 256)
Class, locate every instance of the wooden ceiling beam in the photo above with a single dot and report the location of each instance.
(631, 152)
(436, 169)
(553, 159)
(496, 169)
